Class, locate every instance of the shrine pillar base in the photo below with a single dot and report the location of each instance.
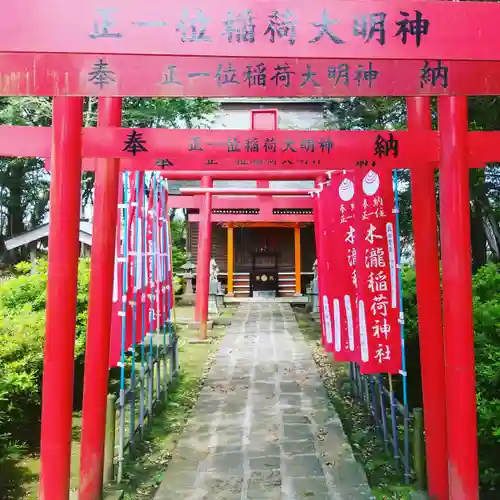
(423, 192)
(204, 255)
(99, 312)
(457, 300)
(60, 318)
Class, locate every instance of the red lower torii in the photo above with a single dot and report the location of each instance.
(85, 51)
(457, 254)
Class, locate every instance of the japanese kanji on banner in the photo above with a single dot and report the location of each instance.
(344, 281)
(377, 272)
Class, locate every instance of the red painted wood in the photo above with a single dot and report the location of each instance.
(457, 300)
(124, 75)
(347, 147)
(245, 191)
(264, 119)
(204, 257)
(62, 26)
(271, 175)
(425, 233)
(99, 314)
(483, 147)
(236, 218)
(60, 319)
(238, 202)
(227, 169)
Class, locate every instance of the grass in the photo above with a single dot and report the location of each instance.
(384, 479)
(143, 474)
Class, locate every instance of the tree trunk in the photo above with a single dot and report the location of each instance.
(478, 237)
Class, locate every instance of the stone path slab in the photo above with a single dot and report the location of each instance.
(263, 427)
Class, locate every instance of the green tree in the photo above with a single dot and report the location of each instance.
(390, 113)
(24, 182)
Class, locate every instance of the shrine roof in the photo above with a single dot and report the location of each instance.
(42, 231)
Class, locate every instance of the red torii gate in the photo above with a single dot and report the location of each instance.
(93, 37)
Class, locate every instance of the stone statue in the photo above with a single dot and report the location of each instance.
(214, 270)
(315, 304)
(212, 297)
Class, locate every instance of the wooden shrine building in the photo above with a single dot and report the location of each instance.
(269, 241)
(267, 259)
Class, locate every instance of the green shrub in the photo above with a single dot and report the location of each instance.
(486, 287)
(486, 297)
(178, 285)
(179, 258)
(22, 325)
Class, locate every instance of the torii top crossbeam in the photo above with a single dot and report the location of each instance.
(381, 48)
(91, 49)
(406, 30)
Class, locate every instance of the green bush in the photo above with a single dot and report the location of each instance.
(178, 285)
(486, 297)
(486, 286)
(22, 324)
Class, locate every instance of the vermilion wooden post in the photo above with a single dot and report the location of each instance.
(457, 300)
(423, 192)
(99, 319)
(57, 402)
(204, 256)
(230, 260)
(205, 181)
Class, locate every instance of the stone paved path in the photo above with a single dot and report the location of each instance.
(263, 427)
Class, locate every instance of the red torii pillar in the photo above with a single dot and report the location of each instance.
(423, 192)
(60, 322)
(107, 178)
(457, 300)
(204, 256)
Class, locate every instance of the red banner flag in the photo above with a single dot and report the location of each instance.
(150, 284)
(115, 341)
(378, 292)
(170, 268)
(160, 243)
(139, 282)
(344, 280)
(131, 263)
(319, 217)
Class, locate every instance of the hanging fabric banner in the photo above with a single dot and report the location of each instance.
(344, 280)
(139, 261)
(318, 225)
(115, 340)
(160, 241)
(170, 270)
(322, 221)
(150, 267)
(131, 264)
(156, 255)
(378, 305)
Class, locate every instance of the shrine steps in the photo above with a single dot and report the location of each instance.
(269, 300)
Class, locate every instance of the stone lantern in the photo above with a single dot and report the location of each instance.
(188, 274)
